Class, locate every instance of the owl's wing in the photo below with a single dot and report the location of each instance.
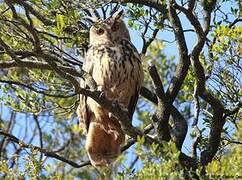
(133, 101)
(83, 111)
(138, 73)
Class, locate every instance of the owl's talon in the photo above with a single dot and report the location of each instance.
(115, 103)
(110, 115)
(124, 109)
(100, 88)
(102, 95)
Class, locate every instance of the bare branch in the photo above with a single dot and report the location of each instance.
(233, 111)
(40, 133)
(150, 3)
(36, 90)
(42, 65)
(29, 27)
(218, 120)
(9, 128)
(31, 9)
(184, 62)
(196, 140)
(235, 22)
(191, 4)
(42, 150)
(161, 117)
(147, 43)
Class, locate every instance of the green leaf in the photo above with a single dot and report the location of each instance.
(60, 21)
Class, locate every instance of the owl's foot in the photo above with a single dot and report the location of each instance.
(113, 133)
(102, 95)
(100, 88)
(124, 109)
(114, 104)
(110, 115)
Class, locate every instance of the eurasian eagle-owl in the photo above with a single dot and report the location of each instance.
(115, 65)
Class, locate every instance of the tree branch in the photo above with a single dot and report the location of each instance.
(36, 90)
(161, 117)
(35, 117)
(191, 4)
(45, 66)
(147, 43)
(31, 9)
(184, 62)
(42, 150)
(150, 3)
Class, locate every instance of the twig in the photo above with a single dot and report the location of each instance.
(35, 90)
(195, 141)
(42, 150)
(147, 43)
(35, 117)
(161, 7)
(196, 106)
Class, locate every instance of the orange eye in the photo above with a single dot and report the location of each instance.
(115, 27)
(100, 31)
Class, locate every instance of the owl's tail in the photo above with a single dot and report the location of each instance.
(104, 140)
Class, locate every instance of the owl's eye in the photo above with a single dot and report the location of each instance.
(100, 31)
(115, 27)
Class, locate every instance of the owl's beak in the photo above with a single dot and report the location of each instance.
(110, 38)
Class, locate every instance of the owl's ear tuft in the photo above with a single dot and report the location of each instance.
(118, 14)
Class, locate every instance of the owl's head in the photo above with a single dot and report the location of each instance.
(111, 30)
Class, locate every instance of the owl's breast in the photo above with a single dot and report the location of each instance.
(117, 69)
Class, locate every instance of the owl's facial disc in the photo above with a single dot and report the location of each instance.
(110, 30)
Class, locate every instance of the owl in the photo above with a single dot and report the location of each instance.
(115, 65)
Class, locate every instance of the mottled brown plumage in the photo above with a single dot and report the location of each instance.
(115, 65)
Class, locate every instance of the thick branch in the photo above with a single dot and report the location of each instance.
(191, 4)
(217, 120)
(216, 128)
(201, 37)
(117, 111)
(45, 66)
(179, 130)
(184, 62)
(161, 117)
